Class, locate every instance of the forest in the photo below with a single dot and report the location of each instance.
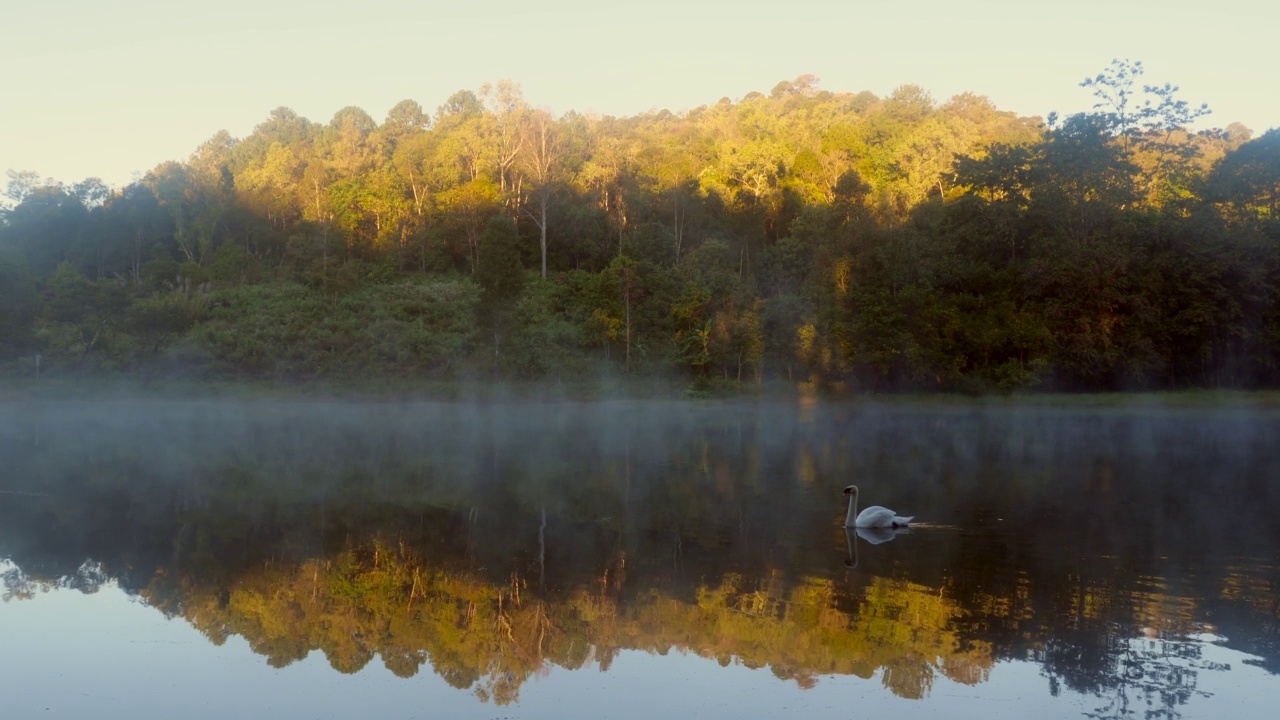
(829, 240)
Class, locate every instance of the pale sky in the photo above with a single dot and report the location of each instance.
(108, 89)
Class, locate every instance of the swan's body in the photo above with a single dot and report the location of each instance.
(872, 517)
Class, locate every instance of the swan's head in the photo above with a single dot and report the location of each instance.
(851, 490)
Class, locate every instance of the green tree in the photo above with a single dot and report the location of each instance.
(18, 305)
(82, 317)
(1247, 181)
(1154, 125)
(405, 117)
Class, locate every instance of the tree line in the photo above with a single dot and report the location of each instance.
(836, 239)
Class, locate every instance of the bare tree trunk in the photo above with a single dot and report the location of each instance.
(182, 244)
(544, 200)
(473, 248)
(542, 550)
(678, 225)
(628, 303)
(419, 194)
(542, 229)
(137, 258)
(622, 224)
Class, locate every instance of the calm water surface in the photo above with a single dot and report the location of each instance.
(636, 560)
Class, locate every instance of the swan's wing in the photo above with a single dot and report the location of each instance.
(875, 516)
(878, 517)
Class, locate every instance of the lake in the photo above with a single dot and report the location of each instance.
(629, 559)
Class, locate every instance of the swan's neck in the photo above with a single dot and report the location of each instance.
(852, 515)
(851, 543)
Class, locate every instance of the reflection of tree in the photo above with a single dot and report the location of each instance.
(17, 585)
(1155, 672)
(385, 598)
(1154, 675)
(88, 578)
(482, 550)
(382, 599)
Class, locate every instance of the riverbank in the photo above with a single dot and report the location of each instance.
(584, 389)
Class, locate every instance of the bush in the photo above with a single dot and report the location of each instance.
(291, 330)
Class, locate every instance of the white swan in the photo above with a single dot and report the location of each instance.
(873, 517)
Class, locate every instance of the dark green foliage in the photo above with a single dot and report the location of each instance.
(18, 306)
(287, 330)
(45, 228)
(499, 272)
(1248, 180)
(162, 318)
(547, 342)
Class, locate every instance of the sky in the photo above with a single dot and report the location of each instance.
(111, 89)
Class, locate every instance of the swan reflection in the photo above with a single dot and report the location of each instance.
(877, 535)
(872, 535)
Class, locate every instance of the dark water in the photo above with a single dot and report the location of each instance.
(323, 559)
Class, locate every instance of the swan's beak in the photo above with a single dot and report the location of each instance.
(848, 491)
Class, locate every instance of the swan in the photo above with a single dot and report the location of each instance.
(873, 517)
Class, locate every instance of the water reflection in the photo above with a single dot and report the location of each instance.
(876, 536)
(490, 543)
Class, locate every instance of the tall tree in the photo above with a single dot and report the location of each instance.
(542, 164)
(508, 113)
(1154, 124)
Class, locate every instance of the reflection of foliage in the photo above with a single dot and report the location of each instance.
(903, 628)
(382, 600)
(466, 538)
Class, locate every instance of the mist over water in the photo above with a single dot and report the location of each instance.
(1126, 554)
